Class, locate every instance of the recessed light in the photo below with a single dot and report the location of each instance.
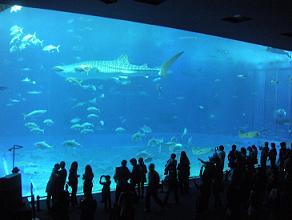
(152, 2)
(236, 19)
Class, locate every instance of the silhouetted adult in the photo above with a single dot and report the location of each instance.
(143, 170)
(221, 154)
(126, 204)
(135, 176)
(254, 154)
(62, 176)
(233, 157)
(87, 184)
(61, 211)
(273, 155)
(152, 189)
(264, 155)
(283, 154)
(171, 178)
(183, 169)
(88, 207)
(121, 177)
(51, 186)
(73, 182)
(105, 181)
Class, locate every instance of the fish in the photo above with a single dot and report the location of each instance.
(153, 142)
(101, 123)
(89, 87)
(278, 51)
(86, 131)
(91, 116)
(146, 129)
(92, 101)
(145, 155)
(185, 131)
(34, 92)
(15, 8)
(15, 38)
(201, 107)
(177, 147)
(71, 143)
(93, 109)
(28, 37)
(31, 125)
(76, 127)
(241, 76)
(28, 80)
(15, 100)
(87, 125)
(106, 69)
(2, 88)
(34, 113)
(197, 151)
(79, 104)
(48, 122)
(74, 81)
(51, 48)
(274, 82)
(120, 129)
(137, 136)
(249, 134)
(37, 130)
(42, 145)
(75, 120)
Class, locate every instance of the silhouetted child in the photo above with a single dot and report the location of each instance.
(105, 181)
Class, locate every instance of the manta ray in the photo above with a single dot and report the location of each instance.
(107, 69)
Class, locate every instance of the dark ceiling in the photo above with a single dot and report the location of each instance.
(270, 19)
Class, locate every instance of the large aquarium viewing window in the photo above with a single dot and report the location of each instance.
(99, 90)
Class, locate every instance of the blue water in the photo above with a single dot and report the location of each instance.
(216, 88)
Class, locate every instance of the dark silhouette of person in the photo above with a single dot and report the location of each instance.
(283, 154)
(88, 207)
(121, 177)
(183, 169)
(105, 181)
(273, 155)
(73, 182)
(264, 155)
(152, 189)
(221, 154)
(126, 204)
(233, 157)
(62, 176)
(87, 184)
(135, 176)
(51, 186)
(143, 171)
(254, 154)
(171, 175)
(61, 205)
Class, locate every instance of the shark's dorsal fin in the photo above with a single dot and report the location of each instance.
(123, 58)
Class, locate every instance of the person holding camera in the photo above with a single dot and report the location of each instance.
(171, 178)
(105, 181)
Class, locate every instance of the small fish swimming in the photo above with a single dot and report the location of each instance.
(76, 126)
(198, 151)
(93, 109)
(249, 134)
(28, 80)
(92, 116)
(137, 136)
(31, 125)
(71, 143)
(87, 125)
(185, 131)
(146, 129)
(51, 48)
(75, 120)
(34, 113)
(34, 92)
(42, 145)
(201, 107)
(120, 130)
(87, 131)
(37, 130)
(48, 122)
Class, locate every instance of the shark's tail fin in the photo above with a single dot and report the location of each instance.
(165, 67)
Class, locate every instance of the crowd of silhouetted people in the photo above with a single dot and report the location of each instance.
(249, 189)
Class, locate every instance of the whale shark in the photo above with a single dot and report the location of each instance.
(107, 69)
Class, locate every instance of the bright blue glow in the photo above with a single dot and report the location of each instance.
(214, 89)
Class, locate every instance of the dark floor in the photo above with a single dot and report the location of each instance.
(184, 210)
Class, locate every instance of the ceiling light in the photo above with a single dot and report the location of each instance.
(236, 19)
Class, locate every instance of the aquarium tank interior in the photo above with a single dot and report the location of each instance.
(99, 90)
